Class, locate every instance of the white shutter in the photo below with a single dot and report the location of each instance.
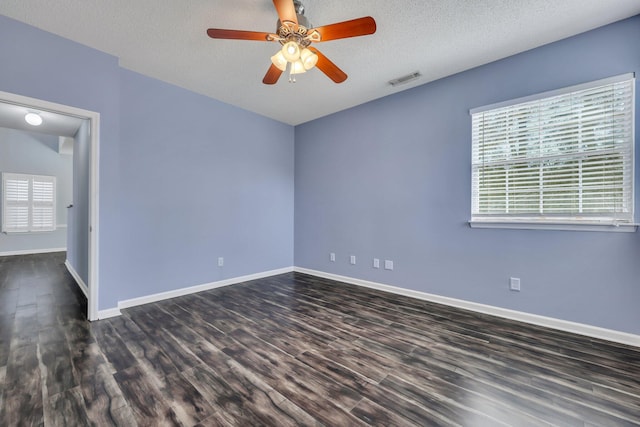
(15, 209)
(43, 217)
(28, 203)
(563, 157)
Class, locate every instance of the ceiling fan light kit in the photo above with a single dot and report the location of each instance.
(308, 58)
(279, 61)
(291, 51)
(295, 35)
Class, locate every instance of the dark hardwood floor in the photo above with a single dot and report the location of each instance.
(293, 350)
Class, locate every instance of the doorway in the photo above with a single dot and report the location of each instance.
(90, 218)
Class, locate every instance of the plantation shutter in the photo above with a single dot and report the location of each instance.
(568, 156)
(28, 203)
(15, 215)
(43, 208)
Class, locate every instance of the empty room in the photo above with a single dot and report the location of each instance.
(283, 213)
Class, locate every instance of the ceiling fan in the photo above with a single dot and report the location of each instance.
(295, 35)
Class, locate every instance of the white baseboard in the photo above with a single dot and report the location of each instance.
(550, 322)
(110, 312)
(190, 290)
(83, 286)
(32, 251)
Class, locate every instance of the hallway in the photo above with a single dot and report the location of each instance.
(44, 337)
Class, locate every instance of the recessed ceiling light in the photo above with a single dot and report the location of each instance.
(33, 119)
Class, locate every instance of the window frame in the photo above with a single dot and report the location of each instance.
(30, 203)
(566, 221)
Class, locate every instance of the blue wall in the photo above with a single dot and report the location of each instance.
(391, 179)
(157, 233)
(34, 153)
(185, 179)
(199, 180)
(40, 65)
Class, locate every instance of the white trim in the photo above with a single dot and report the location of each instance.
(198, 288)
(32, 251)
(29, 233)
(77, 278)
(94, 216)
(633, 148)
(549, 322)
(522, 225)
(110, 312)
(94, 118)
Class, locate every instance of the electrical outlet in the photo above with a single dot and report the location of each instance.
(388, 264)
(352, 259)
(514, 284)
(332, 257)
(376, 263)
(220, 262)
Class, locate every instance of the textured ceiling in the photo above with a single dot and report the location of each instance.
(166, 39)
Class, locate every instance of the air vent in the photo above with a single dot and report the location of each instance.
(405, 79)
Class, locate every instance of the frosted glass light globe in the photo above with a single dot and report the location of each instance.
(291, 51)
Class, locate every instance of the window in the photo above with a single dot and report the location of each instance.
(559, 158)
(28, 203)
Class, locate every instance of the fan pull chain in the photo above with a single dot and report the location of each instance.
(292, 75)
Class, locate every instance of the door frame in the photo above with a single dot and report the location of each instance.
(94, 137)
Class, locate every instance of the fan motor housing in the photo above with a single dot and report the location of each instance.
(288, 32)
(302, 20)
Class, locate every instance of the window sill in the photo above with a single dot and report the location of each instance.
(29, 232)
(565, 226)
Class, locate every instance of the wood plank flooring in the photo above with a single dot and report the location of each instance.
(293, 350)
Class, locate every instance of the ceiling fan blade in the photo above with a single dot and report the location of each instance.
(272, 76)
(343, 30)
(286, 11)
(329, 68)
(218, 33)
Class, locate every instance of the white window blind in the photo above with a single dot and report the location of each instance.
(566, 156)
(28, 203)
